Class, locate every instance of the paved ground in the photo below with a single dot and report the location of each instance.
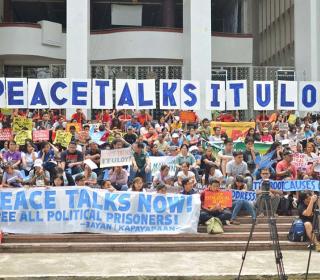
(176, 265)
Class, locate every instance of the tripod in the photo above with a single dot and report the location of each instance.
(266, 200)
(315, 232)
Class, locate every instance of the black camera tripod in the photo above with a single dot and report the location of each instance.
(315, 232)
(265, 196)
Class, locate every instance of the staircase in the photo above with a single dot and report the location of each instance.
(233, 239)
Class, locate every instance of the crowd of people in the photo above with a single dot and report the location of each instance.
(199, 167)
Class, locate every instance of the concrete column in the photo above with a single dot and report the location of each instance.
(168, 13)
(78, 36)
(246, 17)
(254, 12)
(307, 39)
(197, 45)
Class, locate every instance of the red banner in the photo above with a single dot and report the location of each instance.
(212, 199)
(188, 117)
(40, 135)
(5, 134)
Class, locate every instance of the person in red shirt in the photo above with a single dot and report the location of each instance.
(150, 136)
(104, 116)
(144, 117)
(285, 169)
(1, 116)
(79, 116)
(227, 117)
(262, 117)
(20, 112)
(266, 135)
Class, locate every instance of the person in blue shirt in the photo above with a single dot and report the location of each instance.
(133, 123)
(154, 152)
(47, 156)
(176, 140)
(307, 131)
(187, 185)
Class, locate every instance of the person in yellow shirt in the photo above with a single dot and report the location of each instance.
(176, 125)
(292, 118)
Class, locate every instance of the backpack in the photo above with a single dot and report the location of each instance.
(297, 231)
(214, 226)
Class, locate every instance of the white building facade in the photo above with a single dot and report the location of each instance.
(174, 39)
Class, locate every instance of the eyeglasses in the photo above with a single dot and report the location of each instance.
(265, 174)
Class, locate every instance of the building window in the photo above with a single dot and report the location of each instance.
(21, 71)
(34, 11)
(226, 16)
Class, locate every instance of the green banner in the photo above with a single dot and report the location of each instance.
(260, 147)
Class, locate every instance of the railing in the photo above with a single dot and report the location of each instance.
(131, 29)
(20, 24)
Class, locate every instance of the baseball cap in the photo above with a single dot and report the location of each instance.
(193, 148)
(175, 135)
(38, 163)
(130, 127)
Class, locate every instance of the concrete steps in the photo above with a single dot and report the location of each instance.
(68, 247)
(246, 228)
(233, 239)
(95, 238)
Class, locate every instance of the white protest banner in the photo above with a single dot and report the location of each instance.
(83, 209)
(216, 95)
(237, 95)
(169, 94)
(173, 94)
(299, 160)
(309, 96)
(190, 95)
(244, 195)
(157, 162)
(16, 92)
(263, 92)
(126, 94)
(115, 157)
(146, 94)
(91, 164)
(38, 93)
(291, 185)
(3, 103)
(102, 94)
(59, 93)
(287, 95)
